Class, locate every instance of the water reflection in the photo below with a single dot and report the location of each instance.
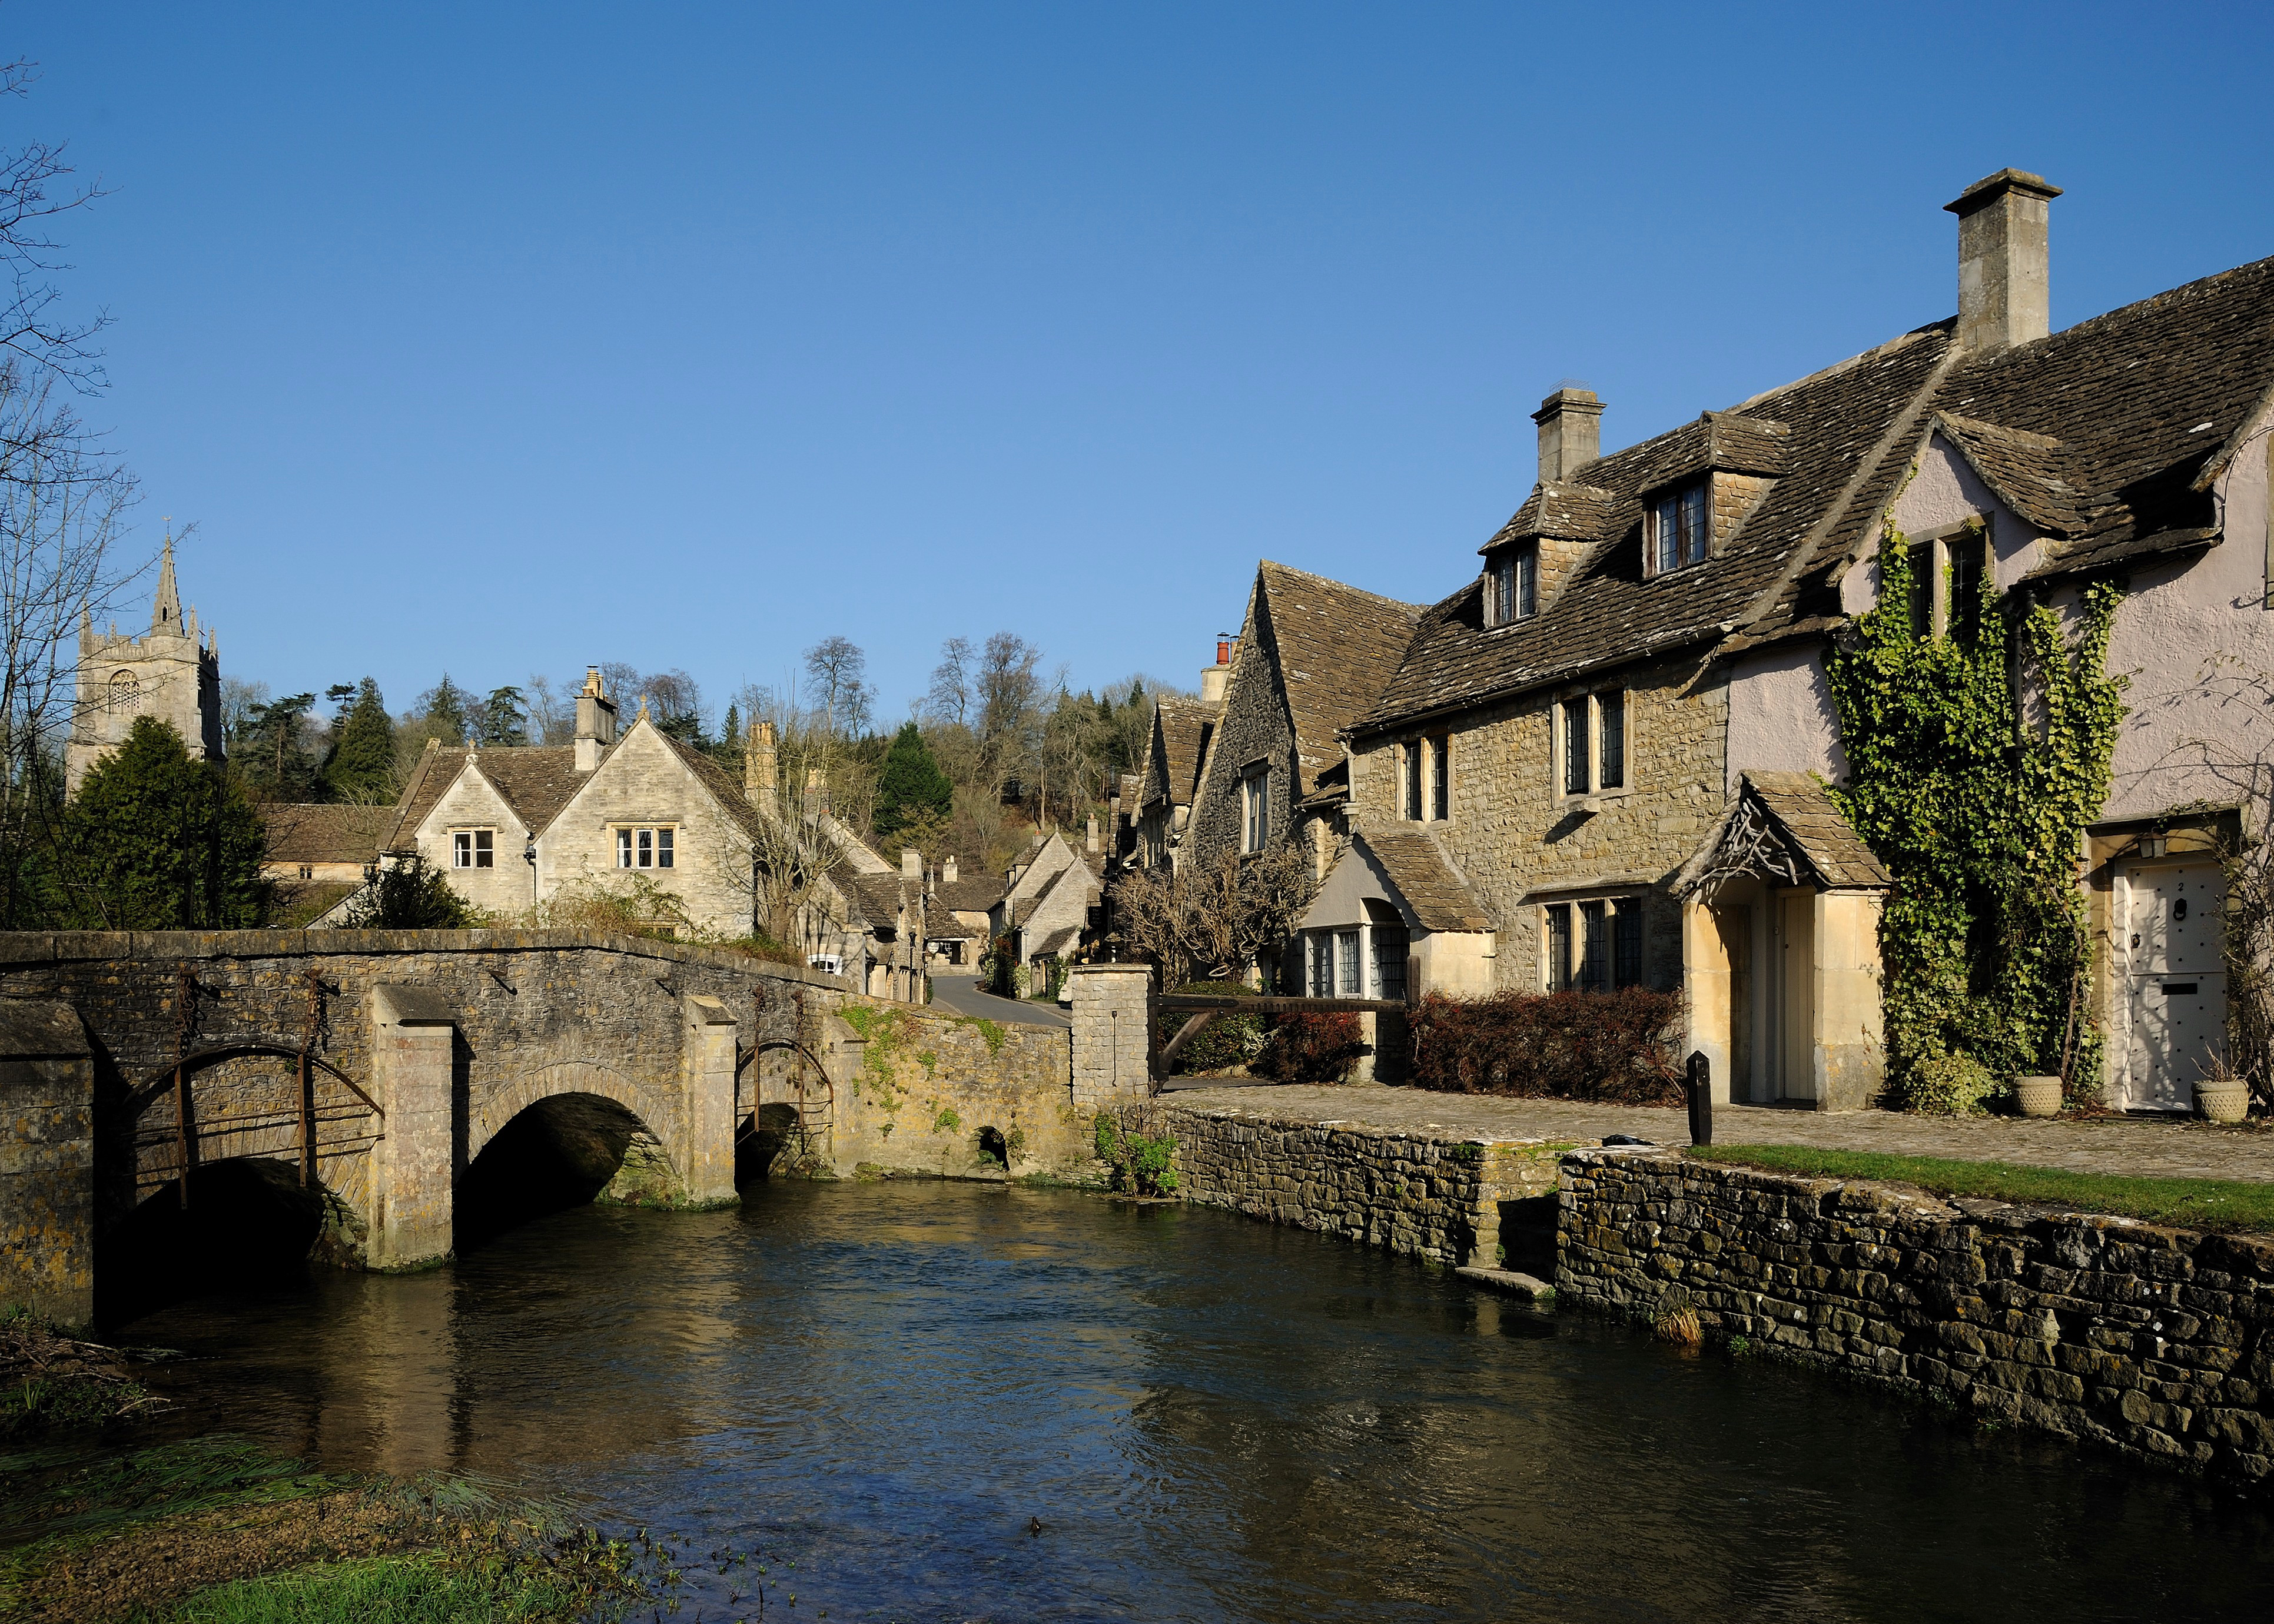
(1209, 1418)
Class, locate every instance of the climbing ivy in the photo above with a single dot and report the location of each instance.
(1976, 761)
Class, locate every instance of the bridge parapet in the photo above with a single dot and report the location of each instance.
(47, 1165)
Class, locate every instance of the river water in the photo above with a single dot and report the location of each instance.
(957, 1401)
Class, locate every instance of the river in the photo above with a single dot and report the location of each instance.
(949, 1401)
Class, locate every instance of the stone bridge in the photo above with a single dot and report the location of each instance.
(371, 1069)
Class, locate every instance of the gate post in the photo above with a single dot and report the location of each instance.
(706, 1076)
(1113, 1038)
(414, 1165)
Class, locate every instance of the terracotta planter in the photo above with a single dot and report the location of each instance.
(2039, 1096)
(2231, 1104)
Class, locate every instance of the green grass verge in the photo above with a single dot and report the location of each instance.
(2182, 1203)
(404, 1590)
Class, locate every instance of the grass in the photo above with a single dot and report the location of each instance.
(420, 1588)
(2183, 1203)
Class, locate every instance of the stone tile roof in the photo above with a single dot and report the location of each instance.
(305, 833)
(535, 781)
(1181, 728)
(877, 897)
(969, 893)
(1832, 435)
(1817, 828)
(1439, 898)
(1337, 646)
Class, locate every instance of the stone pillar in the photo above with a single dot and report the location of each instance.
(1706, 988)
(706, 1073)
(414, 1165)
(47, 1161)
(1113, 1035)
(1851, 1063)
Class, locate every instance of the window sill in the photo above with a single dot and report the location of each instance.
(1601, 801)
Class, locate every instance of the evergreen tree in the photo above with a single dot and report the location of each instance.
(158, 840)
(361, 766)
(273, 759)
(503, 720)
(445, 705)
(912, 795)
(409, 895)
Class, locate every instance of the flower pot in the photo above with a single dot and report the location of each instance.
(2230, 1104)
(2039, 1096)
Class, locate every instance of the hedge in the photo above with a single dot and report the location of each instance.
(1620, 1047)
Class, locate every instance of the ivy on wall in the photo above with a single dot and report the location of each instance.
(1976, 761)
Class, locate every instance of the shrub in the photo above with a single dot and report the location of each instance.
(1138, 1163)
(409, 894)
(1228, 1040)
(1950, 1083)
(1310, 1049)
(1618, 1048)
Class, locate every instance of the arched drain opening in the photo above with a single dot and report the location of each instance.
(994, 1148)
(562, 1152)
(250, 1225)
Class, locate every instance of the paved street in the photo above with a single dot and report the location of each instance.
(959, 995)
(2097, 1145)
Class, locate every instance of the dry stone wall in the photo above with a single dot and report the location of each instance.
(2159, 1342)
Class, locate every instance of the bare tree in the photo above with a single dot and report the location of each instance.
(837, 671)
(948, 703)
(1220, 917)
(552, 711)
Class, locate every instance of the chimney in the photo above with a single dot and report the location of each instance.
(761, 775)
(1092, 840)
(596, 722)
(1571, 432)
(1214, 678)
(817, 793)
(911, 864)
(947, 871)
(2004, 285)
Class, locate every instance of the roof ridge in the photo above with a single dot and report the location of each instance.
(1344, 586)
(2199, 288)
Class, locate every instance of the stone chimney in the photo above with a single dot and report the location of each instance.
(1214, 679)
(911, 864)
(596, 722)
(1091, 841)
(761, 771)
(947, 871)
(817, 793)
(1571, 432)
(2004, 281)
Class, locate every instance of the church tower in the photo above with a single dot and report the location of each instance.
(167, 674)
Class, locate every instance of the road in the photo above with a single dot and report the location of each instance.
(959, 995)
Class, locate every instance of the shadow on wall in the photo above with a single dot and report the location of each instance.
(250, 1224)
(562, 1152)
(767, 1150)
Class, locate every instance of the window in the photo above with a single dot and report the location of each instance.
(124, 695)
(1593, 946)
(1390, 946)
(1346, 964)
(1512, 586)
(1949, 574)
(1441, 789)
(1255, 807)
(1590, 731)
(472, 848)
(307, 871)
(1677, 529)
(651, 847)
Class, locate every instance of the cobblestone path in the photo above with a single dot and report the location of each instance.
(2096, 1145)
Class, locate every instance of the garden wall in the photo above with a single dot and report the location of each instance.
(2157, 1341)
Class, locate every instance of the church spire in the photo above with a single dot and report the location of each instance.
(166, 614)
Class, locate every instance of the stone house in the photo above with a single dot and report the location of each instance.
(1599, 762)
(170, 673)
(1169, 777)
(961, 915)
(1050, 901)
(325, 844)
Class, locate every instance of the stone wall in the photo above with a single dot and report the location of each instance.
(2156, 1342)
(47, 1163)
(1444, 1198)
(1518, 843)
(952, 1097)
(1253, 726)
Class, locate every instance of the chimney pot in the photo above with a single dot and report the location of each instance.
(1571, 432)
(2004, 275)
(1215, 678)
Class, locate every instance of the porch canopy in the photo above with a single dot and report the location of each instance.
(1782, 829)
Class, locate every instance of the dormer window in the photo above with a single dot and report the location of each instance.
(1677, 529)
(1512, 586)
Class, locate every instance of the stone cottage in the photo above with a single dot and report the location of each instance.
(1169, 776)
(1600, 762)
(1048, 904)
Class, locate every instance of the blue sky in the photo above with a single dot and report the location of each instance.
(506, 339)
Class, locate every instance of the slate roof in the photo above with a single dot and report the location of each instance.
(1832, 433)
(1182, 729)
(1439, 897)
(2105, 436)
(535, 782)
(1817, 828)
(877, 897)
(1337, 645)
(306, 833)
(969, 893)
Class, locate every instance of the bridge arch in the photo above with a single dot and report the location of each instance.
(656, 1110)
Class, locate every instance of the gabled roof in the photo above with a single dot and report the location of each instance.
(1336, 646)
(1833, 434)
(534, 781)
(1439, 898)
(1181, 731)
(877, 897)
(1784, 826)
(307, 833)
(970, 893)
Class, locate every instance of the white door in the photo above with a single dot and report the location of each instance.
(2174, 953)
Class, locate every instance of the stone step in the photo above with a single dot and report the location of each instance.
(1508, 1281)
